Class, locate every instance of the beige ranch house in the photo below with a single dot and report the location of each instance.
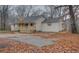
(38, 24)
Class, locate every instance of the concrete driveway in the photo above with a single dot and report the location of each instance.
(28, 38)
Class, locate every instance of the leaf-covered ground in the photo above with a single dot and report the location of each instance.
(65, 43)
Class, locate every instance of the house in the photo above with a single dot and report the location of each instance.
(39, 24)
(77, 24)
(29, 24)
(53, 25)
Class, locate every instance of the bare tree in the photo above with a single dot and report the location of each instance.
(23, 10)
(51, 10)
(4, 16)
(72, 17)
(20, 10)
(36, 12)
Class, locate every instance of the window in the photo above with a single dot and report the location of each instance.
(26, 24)
(31, 24)
(49, 24)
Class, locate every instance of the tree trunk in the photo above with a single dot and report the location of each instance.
(72, 18)
(4, 16)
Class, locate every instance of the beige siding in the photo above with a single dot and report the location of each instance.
(39, 24)
(54, 27)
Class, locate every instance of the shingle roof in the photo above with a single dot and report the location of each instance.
(50, 20)
(31, 19)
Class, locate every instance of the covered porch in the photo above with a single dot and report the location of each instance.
(26, 27)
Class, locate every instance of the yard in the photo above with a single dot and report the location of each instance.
(39, 43)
